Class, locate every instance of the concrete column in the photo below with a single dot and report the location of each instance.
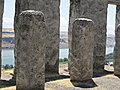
(1, 16)
(52, 17)
(96, 10)
(81, 51)
(31, 47)
(117, 52)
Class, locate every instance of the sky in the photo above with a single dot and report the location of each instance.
(9, 10)
(111, 16)
(8, 16)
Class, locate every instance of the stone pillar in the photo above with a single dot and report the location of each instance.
(81, 51)
(1, 16)
(52, 17)
(117, 52)
(117, 15)
(31, 47)
(96, 10)
(117, 38)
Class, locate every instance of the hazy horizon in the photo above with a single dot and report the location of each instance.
(9, 11)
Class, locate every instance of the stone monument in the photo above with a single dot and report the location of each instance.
(117, 52)
(95, 10)
(31, 46)
(1, 19)
(50, 8)
(81, 51)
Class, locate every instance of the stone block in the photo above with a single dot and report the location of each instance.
(81, 51)
(117, 52)
(1, 19)
(31, 47)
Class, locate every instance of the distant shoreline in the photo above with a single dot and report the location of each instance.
(13, 48)
(64, 48)
(8, 48)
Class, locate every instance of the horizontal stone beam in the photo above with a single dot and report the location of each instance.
(114, 2)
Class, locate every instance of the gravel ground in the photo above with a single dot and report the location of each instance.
(106, 81)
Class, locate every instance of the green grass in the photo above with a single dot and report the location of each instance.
(109, 60)
(63, 62)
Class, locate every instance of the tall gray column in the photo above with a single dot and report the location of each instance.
(1, 16)
(96, 10)
(81, 51)
(52, 17)
(117, 15)
(117, 38)
(31, 47)
(117, 52)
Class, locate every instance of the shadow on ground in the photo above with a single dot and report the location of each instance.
(4, 84)
(48, 79)
(84, 84)
(118, 76)
(95, 75)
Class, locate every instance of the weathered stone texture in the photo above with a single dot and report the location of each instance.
(52, 17)
(81, 51)
(117, 39)
(31, 47)
(96, 10)
(1, 16)
(115, 2)
(117, 52)
(117, 15)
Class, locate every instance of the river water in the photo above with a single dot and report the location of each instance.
(8, 55)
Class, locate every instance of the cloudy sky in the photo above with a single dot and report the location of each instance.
(8, 17)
